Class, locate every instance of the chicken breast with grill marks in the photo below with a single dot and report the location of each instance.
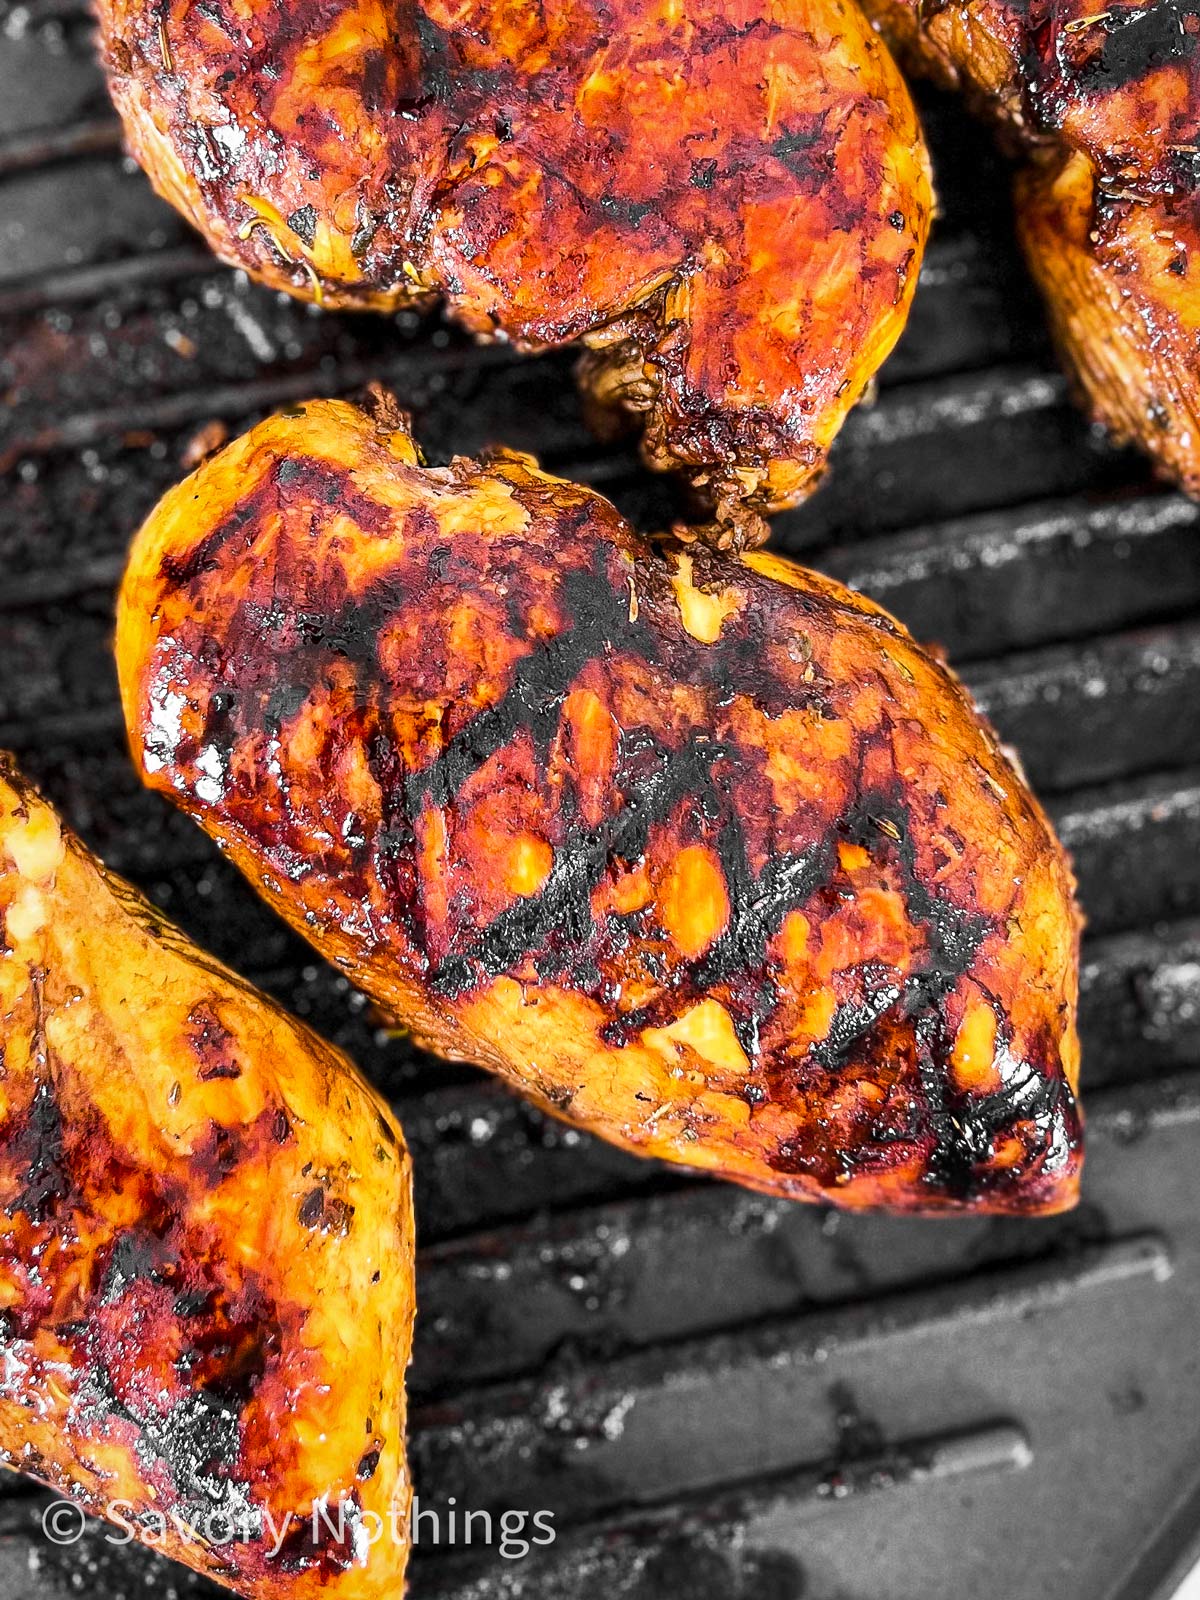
(725, 201)
(704, 854)
(1104, 102)
(206, 1244)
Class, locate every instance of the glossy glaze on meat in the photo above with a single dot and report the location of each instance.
(1106, 102)
(727, 200)
(206, 1242)
(702, 853)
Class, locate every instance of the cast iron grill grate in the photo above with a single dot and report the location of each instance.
(717, 1395)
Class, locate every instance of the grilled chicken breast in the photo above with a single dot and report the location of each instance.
(704, 854)
(726, 201)
(206, 1280)
(1106, 103)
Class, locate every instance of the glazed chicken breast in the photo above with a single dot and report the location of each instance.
(704, 854)
(1105, 101)
(206, 1272)
(726, 201)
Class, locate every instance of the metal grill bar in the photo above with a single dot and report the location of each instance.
(547, 1437)
(26, 152)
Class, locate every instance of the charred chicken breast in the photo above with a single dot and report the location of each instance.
(704, 854)
(1106, 102)
(206, 1280)
(726, 201)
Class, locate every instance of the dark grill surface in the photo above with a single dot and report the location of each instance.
(717, 1395)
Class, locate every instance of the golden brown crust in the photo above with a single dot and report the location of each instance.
(1106, 100)
(705, 855)
(728, 200)
(206, 1281)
